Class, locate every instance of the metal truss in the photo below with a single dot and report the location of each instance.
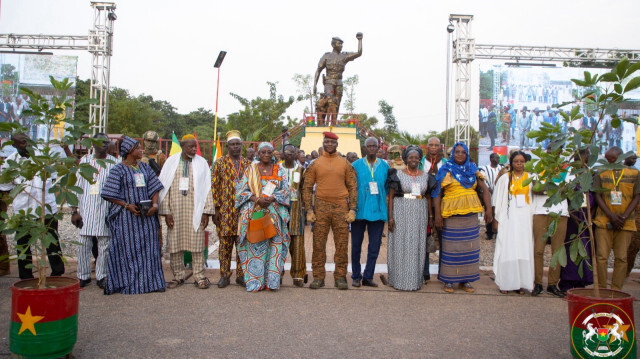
(463, 54)
(571, 56)
(100, 46)
(43, 42)
(465, 50)
(99, 43)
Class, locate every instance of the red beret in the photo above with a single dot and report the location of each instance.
(328, 134)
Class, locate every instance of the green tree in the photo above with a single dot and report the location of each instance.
(82, 94)
(8, 73)
(305, 89)
(129, 115)
(390, 123)
(486, 84)
(260, 112)
(574, 152)
(350, 93)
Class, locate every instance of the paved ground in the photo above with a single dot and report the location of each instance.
(326, 323)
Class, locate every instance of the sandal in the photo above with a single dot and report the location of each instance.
(504, 292)
(519, 291)
(175, 283)
(466, 287)
(448, 287)
(202, 283)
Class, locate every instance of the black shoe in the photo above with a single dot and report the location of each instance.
(84, 282)
(537, 289)
(101, 283)
(223, 282)
(555, 291)
(426, 277)
(356, 283)
(240, 281)
(369, 283)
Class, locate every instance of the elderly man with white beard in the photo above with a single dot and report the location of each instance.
(186, 203)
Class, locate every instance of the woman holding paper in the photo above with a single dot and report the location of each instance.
(264, 187)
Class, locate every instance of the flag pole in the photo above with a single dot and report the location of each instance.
(217, 64)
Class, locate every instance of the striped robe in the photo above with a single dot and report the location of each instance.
(135, 258)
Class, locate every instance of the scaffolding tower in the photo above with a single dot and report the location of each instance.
(465, 50)
(99, 43)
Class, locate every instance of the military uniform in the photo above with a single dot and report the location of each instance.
(336, 194)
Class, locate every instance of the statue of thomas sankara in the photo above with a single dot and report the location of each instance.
(334, 62)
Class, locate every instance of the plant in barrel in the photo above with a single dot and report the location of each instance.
(566, 171)
(38, 172)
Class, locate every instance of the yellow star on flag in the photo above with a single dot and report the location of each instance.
(28, 321)
(622, 330)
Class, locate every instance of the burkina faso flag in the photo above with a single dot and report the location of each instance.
(503, 152)
(43, 327)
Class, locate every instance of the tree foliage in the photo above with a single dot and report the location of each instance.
(259, 112)
(350, 93)
(574, 152)
(390, 123)
(305, 90)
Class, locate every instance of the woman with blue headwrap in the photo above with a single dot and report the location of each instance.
(456, 206)
(263, 187)
(135, 254)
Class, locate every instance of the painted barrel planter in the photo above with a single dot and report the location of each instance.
(601, 327)
(44, 322)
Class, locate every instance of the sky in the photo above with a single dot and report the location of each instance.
(166, 49)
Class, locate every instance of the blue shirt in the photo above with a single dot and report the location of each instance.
(371, 207)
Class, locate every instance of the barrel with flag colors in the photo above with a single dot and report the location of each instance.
(44, 322)
(503, 152)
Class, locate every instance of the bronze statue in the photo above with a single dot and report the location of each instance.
(335, 63)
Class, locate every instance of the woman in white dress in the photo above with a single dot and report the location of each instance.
(513, 257)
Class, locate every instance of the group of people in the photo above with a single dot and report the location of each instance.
(422, 197)
(513, 124)
(518, 259)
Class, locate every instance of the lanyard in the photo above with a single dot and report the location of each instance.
(372, 168)
(94, 164)
(290, 172)
(185, 168)
(236, 170)
(615, 183)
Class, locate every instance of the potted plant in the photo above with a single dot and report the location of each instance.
(44, 311)
(601, 319)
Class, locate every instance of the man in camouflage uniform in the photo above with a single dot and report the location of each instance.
(151, 154)
(336, 203)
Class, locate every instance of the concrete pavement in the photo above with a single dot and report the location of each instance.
(325, 323)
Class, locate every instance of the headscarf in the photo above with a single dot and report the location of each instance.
(265, 144)
(127, 145)
(410, 148)
(464, 173)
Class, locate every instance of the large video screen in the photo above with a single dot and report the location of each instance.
(515, 100)
(19, 71)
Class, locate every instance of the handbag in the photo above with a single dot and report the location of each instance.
(261, 226)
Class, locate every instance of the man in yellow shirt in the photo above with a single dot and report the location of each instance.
(615, 217)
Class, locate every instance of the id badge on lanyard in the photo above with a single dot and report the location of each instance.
(94, 189)
(415, 189)
(616, 195)
(373, 187)
(139, 177)
(268, 190)
(616, 198)
(521, 201)
(294, 195)
(184, 184)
